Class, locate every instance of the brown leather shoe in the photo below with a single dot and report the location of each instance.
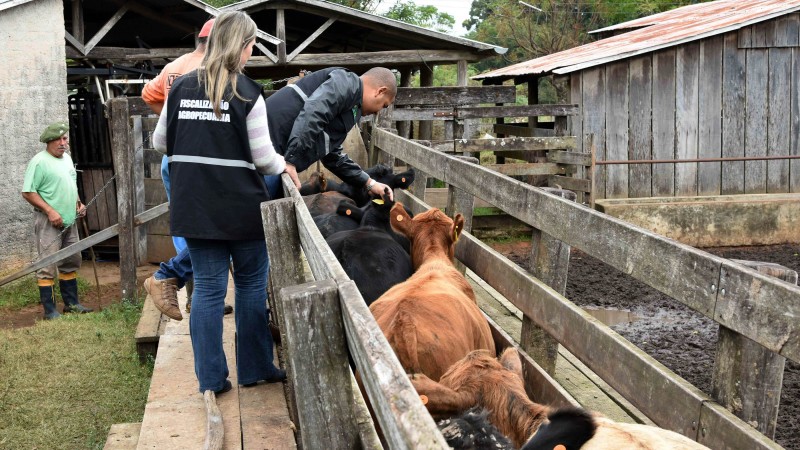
(164, 294)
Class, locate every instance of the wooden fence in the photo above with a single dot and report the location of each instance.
(740, 299)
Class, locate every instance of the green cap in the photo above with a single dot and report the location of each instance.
(53, 131)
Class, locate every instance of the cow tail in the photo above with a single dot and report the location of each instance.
(408, 349)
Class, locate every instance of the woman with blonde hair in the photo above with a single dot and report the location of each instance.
(214, 130)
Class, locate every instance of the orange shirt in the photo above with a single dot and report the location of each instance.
(157, 89)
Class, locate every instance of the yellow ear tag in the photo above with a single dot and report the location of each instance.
(399, 218)
(377, 201)
(455, 234)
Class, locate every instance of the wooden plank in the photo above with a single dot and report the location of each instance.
(710, 122)
(425, 80)
(734, 64)
(594, 124)
(744, 37)
(140, 236)
(753, 395)
(571, 158)
(755, 137)
(572, 184)
(105, 28)
(367, 59)
(616, 183)
(690, 276)
(160, 248)
(663, 122)
(280, 33)
(319, 371)
(148, 329)
(779, 121)
(640, 119)
(791, 30)
(123, 436)
(154, 192)
(454, 95)
(576, 122)
(122, 149)
(175, 417)
(111, 196)
(479, 112)
(513, 170)
(794, 146)
(721, 429)
(516, 144)
(103, 219)
(686, 117)
(87, 182)
(265, 420)
(311, 38)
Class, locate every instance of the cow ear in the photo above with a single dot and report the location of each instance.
(458, 226)
(400, 220)
(404, 180)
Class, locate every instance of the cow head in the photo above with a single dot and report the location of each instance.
(430, 233)
(383, 174)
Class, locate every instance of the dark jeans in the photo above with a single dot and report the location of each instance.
(253, 339)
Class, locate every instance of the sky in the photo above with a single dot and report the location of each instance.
(459, 9)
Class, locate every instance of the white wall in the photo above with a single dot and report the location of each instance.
(33, 94)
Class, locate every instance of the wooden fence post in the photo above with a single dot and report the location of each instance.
(460, 201)
(550, 263)
(137, 154)
(318, 367)
(121, 145)
(747, 377)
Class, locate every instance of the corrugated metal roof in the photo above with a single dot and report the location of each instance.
(667, 29)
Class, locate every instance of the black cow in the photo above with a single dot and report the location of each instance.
(374, 257)
(318, 184)
(347, 217)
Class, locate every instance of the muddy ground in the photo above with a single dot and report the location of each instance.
(672, 333)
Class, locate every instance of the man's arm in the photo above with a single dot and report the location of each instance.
(337, 94)
(38, 202)
(154, 92)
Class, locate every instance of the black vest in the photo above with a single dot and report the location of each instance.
(216, 191)
(285, 105)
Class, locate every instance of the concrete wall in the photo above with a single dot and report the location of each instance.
(715, 221)
(33, 94)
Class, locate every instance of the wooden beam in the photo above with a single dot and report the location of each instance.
(454, 95)
(107, 27)
(77, 20)
(567, 157)
(266, 52)
(130, 54)
(122, 149)
(267, 37)
(480, 112)
(516, 144)
(157, 16)
(570, 183)
(75, 43)
(280, 31)
(394, 57)
(513, 130)
(517, 170)
(311, 38)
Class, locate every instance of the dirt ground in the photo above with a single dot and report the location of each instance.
(672, 333)
(108, 277)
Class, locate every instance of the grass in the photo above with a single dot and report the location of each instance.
(66, 381)
(24, 292)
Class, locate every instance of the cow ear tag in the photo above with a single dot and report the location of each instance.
(377, 201)
(348, 211)
(455, 234)
(403, 180)
(424, 399)
(399, 218)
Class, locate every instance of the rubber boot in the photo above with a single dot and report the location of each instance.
(69, 293)
(46, 298)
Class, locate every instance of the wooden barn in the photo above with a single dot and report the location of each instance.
(702, 100)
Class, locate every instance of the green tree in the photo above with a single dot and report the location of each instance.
(425, 16)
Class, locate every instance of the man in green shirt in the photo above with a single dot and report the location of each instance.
(50, 185)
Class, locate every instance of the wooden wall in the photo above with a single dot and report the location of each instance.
(730, 95)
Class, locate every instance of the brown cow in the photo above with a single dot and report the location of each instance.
(432, 319)
(480, 379)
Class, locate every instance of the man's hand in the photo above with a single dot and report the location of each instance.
(292, 171)
(81, 210)
(379, 189)
(55, 218)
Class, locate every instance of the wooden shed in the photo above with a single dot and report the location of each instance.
(697, 101)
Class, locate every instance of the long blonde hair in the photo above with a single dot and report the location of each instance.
(222, 61)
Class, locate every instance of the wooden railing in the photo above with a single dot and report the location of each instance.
(752, 304)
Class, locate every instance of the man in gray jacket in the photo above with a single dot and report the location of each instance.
(309, 120)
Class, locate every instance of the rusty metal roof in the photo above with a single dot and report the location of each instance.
(667, 29)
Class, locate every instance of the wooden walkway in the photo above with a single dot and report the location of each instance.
(175, 416)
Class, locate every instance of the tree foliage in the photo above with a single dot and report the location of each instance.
(421, 15)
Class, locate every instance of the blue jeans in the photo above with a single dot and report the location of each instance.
(180, 267)
(178, 242)
(274, 186)
(253, 338)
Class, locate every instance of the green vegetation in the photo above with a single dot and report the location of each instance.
(65, 382)
(24, 292)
